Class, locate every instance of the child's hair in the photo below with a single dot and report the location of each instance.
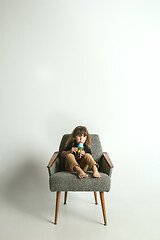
(79, 131)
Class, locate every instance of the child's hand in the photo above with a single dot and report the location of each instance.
(83, 153)
(74, 149)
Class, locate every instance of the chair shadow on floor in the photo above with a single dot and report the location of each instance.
(25, 187)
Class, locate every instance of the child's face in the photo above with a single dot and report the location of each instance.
(80, 138)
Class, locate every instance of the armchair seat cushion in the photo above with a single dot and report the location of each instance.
(69, 181)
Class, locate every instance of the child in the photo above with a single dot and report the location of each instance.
(72, 162)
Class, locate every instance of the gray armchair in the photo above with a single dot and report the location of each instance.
(61, 180)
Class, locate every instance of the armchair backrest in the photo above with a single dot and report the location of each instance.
(96, 148)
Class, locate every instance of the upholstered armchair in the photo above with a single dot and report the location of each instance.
(61, 180)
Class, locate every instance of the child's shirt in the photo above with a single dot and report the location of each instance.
(68, 148)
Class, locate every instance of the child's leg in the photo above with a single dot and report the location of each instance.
(70, 162)
(95, 172)
(80, 172)
(87, 160)
(71, 165)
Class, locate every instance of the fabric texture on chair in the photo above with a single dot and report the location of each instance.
(66, 181)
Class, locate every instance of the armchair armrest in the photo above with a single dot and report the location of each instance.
(53, 165)
(106, 164)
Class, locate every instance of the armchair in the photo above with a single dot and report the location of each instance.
(61, 180)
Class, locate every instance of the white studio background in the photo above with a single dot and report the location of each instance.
(93, 63)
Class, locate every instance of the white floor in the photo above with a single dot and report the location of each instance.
(27, 211)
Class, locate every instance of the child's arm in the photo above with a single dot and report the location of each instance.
(65, 153)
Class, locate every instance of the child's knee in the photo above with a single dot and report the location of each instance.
(89, 156)
(70, 156)
(89, 159)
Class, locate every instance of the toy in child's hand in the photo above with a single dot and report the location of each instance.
(80, 148)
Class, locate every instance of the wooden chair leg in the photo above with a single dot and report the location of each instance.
(95, 196)
(65, 198)
(57, 206)
(103, 207)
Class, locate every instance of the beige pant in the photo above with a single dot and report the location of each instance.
(85, 162)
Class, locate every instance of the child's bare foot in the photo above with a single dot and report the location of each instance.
(80, 172)
(95, 172)
(97, 175)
